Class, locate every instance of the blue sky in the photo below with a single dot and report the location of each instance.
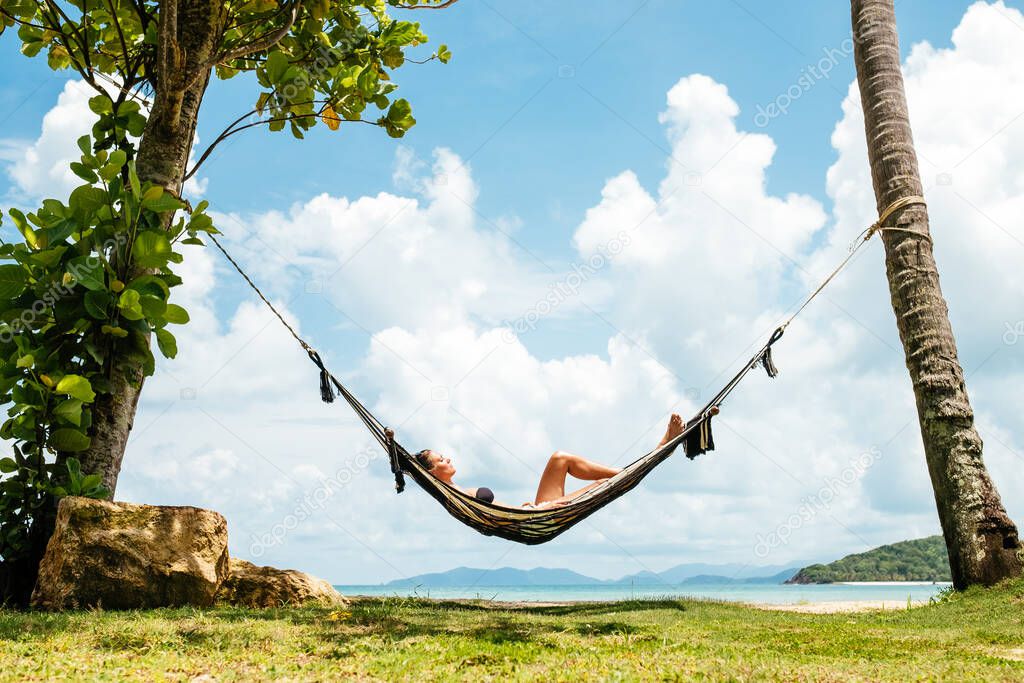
(558, 128)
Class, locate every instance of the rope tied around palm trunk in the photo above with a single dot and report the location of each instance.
(862, 239)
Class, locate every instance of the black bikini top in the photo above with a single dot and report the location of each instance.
(485, 494)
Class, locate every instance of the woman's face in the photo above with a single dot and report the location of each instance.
(441, 466)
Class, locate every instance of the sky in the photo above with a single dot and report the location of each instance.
(601, 212)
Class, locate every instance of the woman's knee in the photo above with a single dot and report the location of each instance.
(561, 457)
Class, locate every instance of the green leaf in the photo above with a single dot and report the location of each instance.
(67, 439)
(87, 271)
(201, 222)
(398, 120)
(8, 465)
(130, 306)
(90, 481)
(133, 180)
(26, 361)
(74, 468)
(96, 303)
(114, 165)
(114, 330)
(400, 114)
(118, 157)
(13, 281)
(367, 80)
(163, 202)
(84, 172)
(153, 308)
(76, 386)
(58, 232)
(175, 314)
(48, 258)
(31, 49)
(152, 193)
(86, 200)
(167, 343)
(152, 249)
(276, 66)
(70, 410)
(24, 228)
(150, 285)
(100, 104)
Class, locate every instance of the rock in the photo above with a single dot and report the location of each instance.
(126, 556)
(250, 586)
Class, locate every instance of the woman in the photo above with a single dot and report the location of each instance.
(551, 491)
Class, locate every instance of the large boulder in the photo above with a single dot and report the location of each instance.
(250, 586)
(124, 556)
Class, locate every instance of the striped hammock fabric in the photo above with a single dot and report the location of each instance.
(533, 526)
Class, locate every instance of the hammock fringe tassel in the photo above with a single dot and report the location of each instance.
(766, 356)
(396, 463)
(326, 391)
(768, 364)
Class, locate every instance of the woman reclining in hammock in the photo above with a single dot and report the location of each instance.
(551, 491)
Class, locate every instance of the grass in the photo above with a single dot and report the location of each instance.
(977, 635)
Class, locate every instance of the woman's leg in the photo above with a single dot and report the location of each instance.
(561, 464)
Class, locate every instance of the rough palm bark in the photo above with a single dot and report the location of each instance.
(982, 540)
(190, 33)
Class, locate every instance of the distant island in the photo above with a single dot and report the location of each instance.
(695, 573)
(922, 560)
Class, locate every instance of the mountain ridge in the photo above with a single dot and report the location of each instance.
(547, 576)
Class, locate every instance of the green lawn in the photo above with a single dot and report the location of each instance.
(978, 635)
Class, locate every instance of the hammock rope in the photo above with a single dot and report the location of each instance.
(533, 526)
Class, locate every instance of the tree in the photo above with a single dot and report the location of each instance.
(981, 539)
(87, 289)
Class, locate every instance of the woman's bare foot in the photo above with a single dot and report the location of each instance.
(675, 428)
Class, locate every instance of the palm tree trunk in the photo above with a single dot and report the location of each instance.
(982, 540)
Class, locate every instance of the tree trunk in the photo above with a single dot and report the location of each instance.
(981, 538)
(190, 33)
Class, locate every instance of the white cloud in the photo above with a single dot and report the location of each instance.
(711, 241)
(398, 260)
(40, 168)
(713, 261)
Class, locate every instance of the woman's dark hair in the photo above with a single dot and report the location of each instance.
(423, 458)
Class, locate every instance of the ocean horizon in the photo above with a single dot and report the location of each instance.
(894, 591)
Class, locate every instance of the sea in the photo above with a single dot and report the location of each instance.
(895, 591)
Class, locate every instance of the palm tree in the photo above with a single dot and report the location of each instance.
(981, 538)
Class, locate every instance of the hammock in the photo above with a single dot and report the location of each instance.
(535, 526)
